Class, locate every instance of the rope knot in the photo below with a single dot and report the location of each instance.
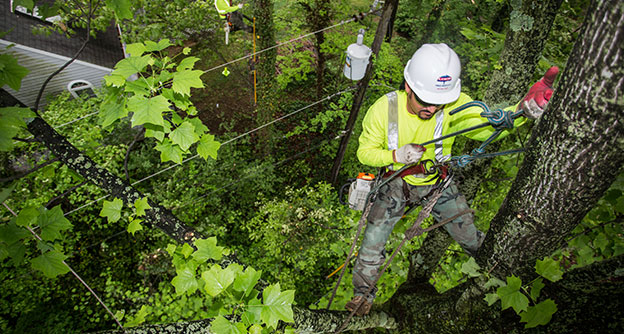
(500, 119)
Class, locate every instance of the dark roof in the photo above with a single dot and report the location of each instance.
(105, 50)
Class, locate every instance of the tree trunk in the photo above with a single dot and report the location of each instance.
(523, 48)
(265, 69)
(508, 85)
(575, 153)
(115, 186)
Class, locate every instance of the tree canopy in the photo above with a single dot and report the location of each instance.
(194, 190)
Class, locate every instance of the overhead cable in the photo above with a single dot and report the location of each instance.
(224, 143)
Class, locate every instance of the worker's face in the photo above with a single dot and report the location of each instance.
(417, 107)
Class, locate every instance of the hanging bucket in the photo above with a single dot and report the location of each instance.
(357, 58)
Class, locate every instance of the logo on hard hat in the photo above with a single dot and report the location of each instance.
(444, 82)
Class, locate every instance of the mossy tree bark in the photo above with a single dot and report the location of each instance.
(522, 51)
(117, 187)
(319, 16)
(573, 156)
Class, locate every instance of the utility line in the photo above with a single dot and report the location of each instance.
(242, 58)
(251, 173)
(225, 143)
(73, 272)
(290, 41)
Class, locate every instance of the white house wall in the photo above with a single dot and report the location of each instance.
(41, 64)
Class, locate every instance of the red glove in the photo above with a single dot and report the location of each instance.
(536, 99)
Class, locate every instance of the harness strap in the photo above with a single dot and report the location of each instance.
(393, 122)
(393, 129)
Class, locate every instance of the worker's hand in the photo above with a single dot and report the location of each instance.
(539, 94)
(240, 5)
(408, 154)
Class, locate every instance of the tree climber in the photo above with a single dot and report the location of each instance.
(233, 18)
(417, 114)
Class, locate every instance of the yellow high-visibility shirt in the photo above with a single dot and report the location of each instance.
(223, 7)
(373, 149)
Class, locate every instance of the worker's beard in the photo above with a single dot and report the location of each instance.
(425, 115)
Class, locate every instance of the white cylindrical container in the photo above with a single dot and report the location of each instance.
(357, 58)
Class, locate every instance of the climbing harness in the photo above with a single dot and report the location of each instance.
(499, 119)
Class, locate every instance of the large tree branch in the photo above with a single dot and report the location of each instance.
(115, 186)
(306, 322)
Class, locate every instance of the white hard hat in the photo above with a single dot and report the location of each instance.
(433, 74)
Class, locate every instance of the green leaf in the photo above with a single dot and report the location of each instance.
(208, 147)
(491, 298)
(185, 280)
(471, 268)
(161, 45)
(253, 314)
(112, 109)
(199, 126)
(27, 217)
(136, 49)
(187, 250)
(186, 51)
(28, 4)
(277, 305)
(549, 268)
(6, 192)
(11, 73)
(121, 8)
(255, 329)
(511, 296)
(11, 121)
(141, 205)
(11, 233)
(187, 63)
(184, 135)
(115, 80)
(139, 318)
(132, 65)
(536, 288)
(601, 241)
(169, 152)
(50, 264)
(112, 210)
(207, 249)
(148, 110)
(154, 131)
(139, 87)
(247, 281)
(185, 80)
(217, 279)
(171, 248)
(52, 223)
(539, 314)
(492, 282)
(223, 326)
(134, 226)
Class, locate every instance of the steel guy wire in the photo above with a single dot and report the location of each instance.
(73, 272)
(287, 42)
(253, 172)
(224, 143)
(239, 59)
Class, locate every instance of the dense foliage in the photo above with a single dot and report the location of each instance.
(270, 209)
